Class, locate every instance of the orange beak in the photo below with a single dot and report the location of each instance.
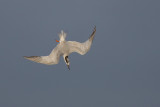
(57, 41)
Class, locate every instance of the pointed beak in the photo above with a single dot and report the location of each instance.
(57, 41)
(68, 67)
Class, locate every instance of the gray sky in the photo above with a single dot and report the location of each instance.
(121, 69)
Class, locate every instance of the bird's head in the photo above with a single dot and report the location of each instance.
(66, 59)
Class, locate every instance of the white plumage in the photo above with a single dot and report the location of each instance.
(64, 48)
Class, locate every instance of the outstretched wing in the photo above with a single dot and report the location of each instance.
(81, 48)
(53, 58)
(40, 59)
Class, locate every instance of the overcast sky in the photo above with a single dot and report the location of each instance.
(122, 69)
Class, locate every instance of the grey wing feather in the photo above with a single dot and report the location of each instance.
(39, 59)
(53, 58)
(81, 48)
(55, 54)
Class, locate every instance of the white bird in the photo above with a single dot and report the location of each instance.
(64, 48)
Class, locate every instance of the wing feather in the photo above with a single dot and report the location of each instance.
(81, 48)
(53, 58)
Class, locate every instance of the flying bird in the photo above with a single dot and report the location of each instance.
(64, 48)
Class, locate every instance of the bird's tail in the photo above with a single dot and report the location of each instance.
(62, 36)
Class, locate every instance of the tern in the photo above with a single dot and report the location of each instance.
(64, 48)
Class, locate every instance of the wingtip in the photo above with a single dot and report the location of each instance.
(94, 28)
(24, 56)
(29, 57)
(93, 33)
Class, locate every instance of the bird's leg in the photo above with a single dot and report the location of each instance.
(67, 62)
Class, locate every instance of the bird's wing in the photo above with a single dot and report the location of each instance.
(55, 54)
(51, 59)
(81, 48)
